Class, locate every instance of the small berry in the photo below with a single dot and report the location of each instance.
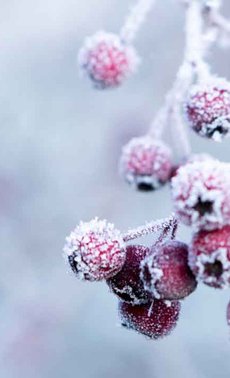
(228, 314)
(107, 60)
(146, 163)
(154, 320)
(95, 250)
(208, 109)
(201, 194)
(209, 257)
(165, 272)
(127, 284)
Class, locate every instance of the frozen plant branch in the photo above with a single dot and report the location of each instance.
(135, 19)
(151, 227)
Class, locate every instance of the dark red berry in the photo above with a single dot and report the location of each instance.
(154, 320)
(165, 272)
(127, 284)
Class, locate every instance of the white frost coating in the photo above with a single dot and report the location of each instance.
(102, 50)
(150, 227)
(135, 19)
(209, 102)
(127, 289)
(94, 246)
(220, 255)
(154, 273)
(145, 160)
(202, 182)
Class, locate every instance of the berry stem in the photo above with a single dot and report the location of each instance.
(135, 19)
(151, 227)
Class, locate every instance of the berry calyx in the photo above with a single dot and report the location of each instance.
(201, 194)
(146, 163)
(165, 271)
(107, 60)
(208, 109)
(127, 284)
(95, 250)
(154, 320)
(209, 257)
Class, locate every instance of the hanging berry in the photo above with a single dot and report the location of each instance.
(209, 257)
(146, 163)
(201, 194)
(208, 109)
(154, 320)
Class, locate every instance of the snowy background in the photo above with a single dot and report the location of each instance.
(60, 142)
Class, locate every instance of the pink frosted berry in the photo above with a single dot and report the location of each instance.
(228, 314)
(95, 250)
(146, 163)
(127, 284)
(154, 320)
(201, 194)
(165, 272)
(208, 109)
(209, 257)
(107, 60)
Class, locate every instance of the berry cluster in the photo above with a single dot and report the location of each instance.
(151, 281)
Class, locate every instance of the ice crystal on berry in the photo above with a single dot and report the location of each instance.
(201, 194)
(127, 284)
(95, 250)
(209, 257)
(154, 320)
(208, 109)
(107, 60)
(165, 272)
(146, 163)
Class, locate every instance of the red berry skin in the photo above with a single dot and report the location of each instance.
(127, 284)
(208, 109)
(166, 273)
(228, 314)
(154, 320)
(209, 257)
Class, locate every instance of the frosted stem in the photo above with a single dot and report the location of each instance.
(135, 19)
(151, 227)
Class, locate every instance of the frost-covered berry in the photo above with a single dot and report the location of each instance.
(154, 320)
(207, 109)
(127, 284)
(201, 194)
(146, 163)
(107, 60)
(209, 257)
(165, 272)
(95, 250)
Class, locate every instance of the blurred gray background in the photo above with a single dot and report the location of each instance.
(60, 143)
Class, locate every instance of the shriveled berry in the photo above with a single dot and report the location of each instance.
(107, 60)
(95, 250)
(127, 284)
(146, 163)
(201, 194)
(208, 109)
(154, 320)
(165, 272)
(209, 257)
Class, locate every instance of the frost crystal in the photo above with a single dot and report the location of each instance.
(201, 194)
